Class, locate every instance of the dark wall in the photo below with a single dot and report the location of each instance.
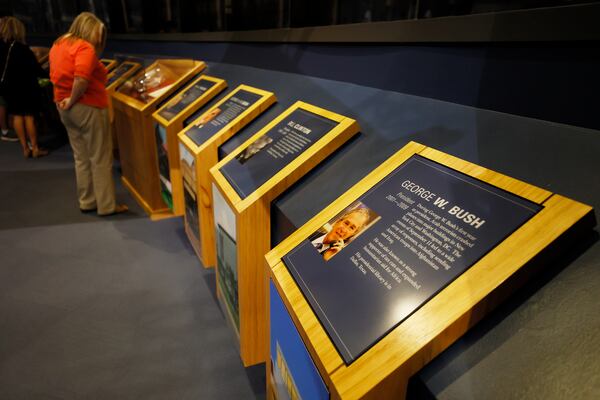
(554, 82)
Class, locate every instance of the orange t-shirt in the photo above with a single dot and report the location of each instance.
(71, 58)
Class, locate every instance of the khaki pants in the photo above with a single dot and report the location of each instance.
(89, 134)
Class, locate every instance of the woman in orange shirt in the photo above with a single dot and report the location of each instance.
(79, 80)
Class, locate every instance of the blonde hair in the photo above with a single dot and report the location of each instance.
(11, 29)
(88, 27)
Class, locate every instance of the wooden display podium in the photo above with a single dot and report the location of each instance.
(446, 241)
(114, 79)
(199, 152)
(134, 127)
(246, 182)
(171, 118)
(109, 64)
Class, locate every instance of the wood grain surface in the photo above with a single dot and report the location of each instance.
(383, 371)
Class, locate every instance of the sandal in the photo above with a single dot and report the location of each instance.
(27, 153)
(37, 153)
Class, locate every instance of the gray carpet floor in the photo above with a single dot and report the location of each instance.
(104, 308)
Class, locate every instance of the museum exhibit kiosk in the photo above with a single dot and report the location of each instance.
(109, 64)
(134, 101)
(436, 243)
(115, 77)
(198, 151)
(170, 120)
(246, 182)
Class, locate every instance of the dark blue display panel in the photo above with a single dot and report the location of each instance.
(294, 372)
(119, 72)
(185, 98)
(213, 121)
(262, 159)
(389, 252)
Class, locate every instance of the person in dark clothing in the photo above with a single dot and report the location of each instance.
(19, 85)
(7, 135)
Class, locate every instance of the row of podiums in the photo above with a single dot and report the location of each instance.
(369, 290)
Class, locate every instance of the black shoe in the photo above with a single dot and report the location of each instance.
(10, 136)
(88, 211)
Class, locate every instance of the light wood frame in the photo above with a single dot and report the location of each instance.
(109, 64)
(206, 156)
(383, 371)
(253, 224)
(134, 128)
(111, 88)
(175, 125)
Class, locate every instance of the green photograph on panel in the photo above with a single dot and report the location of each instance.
(227, 270)
(187, 164)
(192, 219)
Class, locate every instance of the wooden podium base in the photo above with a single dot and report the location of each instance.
(154, 214)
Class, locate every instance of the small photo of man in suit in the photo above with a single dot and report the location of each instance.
(332, 237)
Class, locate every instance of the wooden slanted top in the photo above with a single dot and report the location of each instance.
(109, 64)
(387, 366)
(190, 108)
(345, 128)
(175, 74)
(267, 97)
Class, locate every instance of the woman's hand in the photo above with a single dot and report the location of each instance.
(79, 87)
(333, 250)
(65, 104)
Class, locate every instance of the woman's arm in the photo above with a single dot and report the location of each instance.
(34, 65)
(79, 87)
(333, 250)
(85, 62)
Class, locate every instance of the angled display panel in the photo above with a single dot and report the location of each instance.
(121, 73)
(210, 123)
(401, 265)
(406, 238)
(264, 157)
